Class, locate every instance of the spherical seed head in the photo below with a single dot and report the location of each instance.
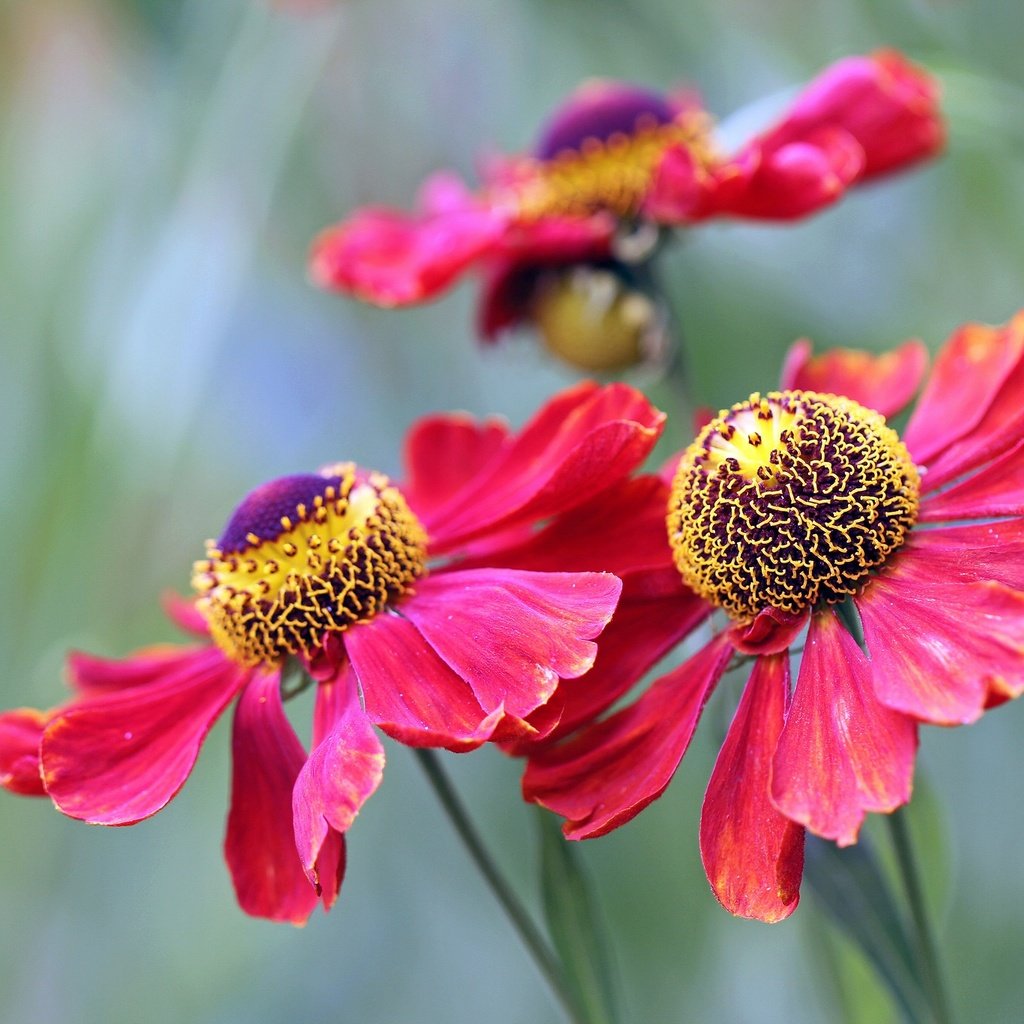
(790, 501)
(304, 556)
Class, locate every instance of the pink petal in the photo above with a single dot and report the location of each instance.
(969, 372)
(841, 752)
(937, 646)
(885, 382)
(410, 693)
(341, 774)
(753, 855)
(118, 757)
(20, 733)
(996, 490)
(511, 634)
(613, 770)
(445, 453)
(682, 189)
(94, 675)
(183, 613)
(983, 551)
(260, 842)
(582, 442)
(772, 632)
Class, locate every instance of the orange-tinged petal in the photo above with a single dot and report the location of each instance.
(21, 731)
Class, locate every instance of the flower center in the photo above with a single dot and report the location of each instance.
(304, 556)
(788, 501)
(611, 174)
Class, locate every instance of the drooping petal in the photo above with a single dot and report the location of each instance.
(996, 490)
(21, 731)
(884, 382)
(118, 757)
(841, 752)
(969, 372)
(340, 775)
(613, 770)
(410, 693)
(580, 443)
(512, 634)
(772, 631)
(259, 847)
(937, 646)
(753, 855)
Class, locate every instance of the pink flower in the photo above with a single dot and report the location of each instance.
(399, 606)
(615, 164)
(787, 509)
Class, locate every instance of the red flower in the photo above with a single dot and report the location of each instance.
(786, 509)
(401, 605)
(615, 156)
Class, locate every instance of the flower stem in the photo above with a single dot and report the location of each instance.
(530, 935)
(927, 952)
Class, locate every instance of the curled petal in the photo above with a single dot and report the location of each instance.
(118, 757)
(771, 632)
(884, 382)
(753, 855)
(613, 770)
(21, 731)
(841, 752)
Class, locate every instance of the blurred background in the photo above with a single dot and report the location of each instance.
(163, 167)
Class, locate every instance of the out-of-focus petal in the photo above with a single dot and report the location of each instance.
(21, 731)
(91, 674)
(259, 847)
(183, 613)
(341, 774)
(612, 771)
(682, 190)
(118, 757)
(753, 855)
(884, 382)
(841, 752)
(937, 645)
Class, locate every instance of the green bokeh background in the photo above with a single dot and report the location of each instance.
(163, 166)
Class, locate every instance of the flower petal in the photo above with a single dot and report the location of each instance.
(982, 551)
(996, 490)
(938, 646)
(182, 611)
(511, 634)
(841, 752)
(20, 733)
(94, 675)
(613, 770)
(753, 855)
(266, 757)
(580, 443)
(884, 382)
(340, 775)
(118, 757)
(410, 693)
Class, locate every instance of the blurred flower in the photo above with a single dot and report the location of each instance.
(614, 168)
(399, 604)
(901, 562)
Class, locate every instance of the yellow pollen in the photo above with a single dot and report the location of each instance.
(331, 565)
(613, 175)
(790, 500)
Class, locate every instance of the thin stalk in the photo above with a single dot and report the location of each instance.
(528, 932)
(927, 951)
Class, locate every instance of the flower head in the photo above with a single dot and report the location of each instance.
(402, 606)
(614, 168)
(806, 521)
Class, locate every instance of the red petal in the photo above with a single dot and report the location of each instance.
(772, 632)
(444, 453)
(968, 374)
(20, 733)
(682, 189)
(753, 855)
(340, 775)
(410, 693)
(841, 752)
(937, 646)
(260, 842)
(996, 490)
(118, 757)
(885, 382)
(94, 675)
(984, 551)
(579, 444)
(612, 771)
(511, 634)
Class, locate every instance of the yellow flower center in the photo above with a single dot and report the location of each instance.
(613, 174)
(788, 501)
(307, 556)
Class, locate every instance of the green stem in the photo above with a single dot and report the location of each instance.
(927, 952)
(534, 941)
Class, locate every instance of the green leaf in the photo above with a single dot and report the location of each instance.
(575, 926)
